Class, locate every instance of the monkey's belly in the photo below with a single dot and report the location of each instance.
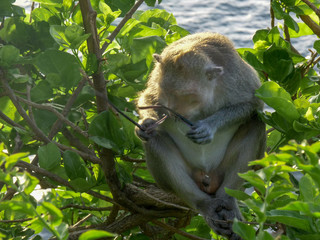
(207, 156)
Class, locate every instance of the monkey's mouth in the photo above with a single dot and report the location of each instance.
(169, 112)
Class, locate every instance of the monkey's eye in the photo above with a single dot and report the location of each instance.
(210, 75)
(214, 72)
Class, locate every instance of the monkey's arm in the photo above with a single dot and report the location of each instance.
(204, 130)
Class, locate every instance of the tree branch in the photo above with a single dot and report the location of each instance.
(58, 124)
(86, 208)
(89, 22)
(313, 7)
(59, 180)
(311, 24)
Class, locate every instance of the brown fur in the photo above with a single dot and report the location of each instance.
(203, 78)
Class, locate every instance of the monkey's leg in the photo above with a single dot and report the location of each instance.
(171, 172)
(247, 144)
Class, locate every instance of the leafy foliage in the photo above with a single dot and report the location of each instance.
(59, 69)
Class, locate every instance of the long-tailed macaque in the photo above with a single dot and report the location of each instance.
(202, 78)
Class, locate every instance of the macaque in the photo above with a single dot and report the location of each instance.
(202, 78)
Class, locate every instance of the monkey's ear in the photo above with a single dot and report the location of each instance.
(214, 72)
(157, 57)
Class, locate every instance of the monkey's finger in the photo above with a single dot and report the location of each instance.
(201, 141)
(199, 133)
(206, 138)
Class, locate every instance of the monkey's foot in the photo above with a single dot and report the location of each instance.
(221, 218)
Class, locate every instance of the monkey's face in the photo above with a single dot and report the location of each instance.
(189, 87)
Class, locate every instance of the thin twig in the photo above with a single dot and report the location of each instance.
(134, 160)
(81, 221)
(38, 132)
(10, 122)
(58, 124)
(120, 25)
(49, 107)
(100, 209)
(16, 221)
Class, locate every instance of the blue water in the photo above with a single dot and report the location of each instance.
(237, 19)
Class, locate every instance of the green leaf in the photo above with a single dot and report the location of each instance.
(42, 14)
(49, 156)
(253, 61)
(277, 98)
(254, 179)
(8, 108)
(124, 171)
(106, 130)
(278, 11)
(28, 183)
(158, 16)
(109, 15)
(57, 32)
(144, 47)
(8, 55)
(64, 65)
(74, 165)
(277, 63)
(304, 30)
(56, 3)
(246, 231)
(309, 209)
(123, 5)
(277, 191)
(6, 8)
(316, 45)
(75, 36)
(62, 229)
(95, 234)
(291, 23)
(13, 159)
(264, 235)
(240, 195)
(82, 185)
(290, 218)
(44, 119)
(18, 207)
(41, 92)
(55, 213)
(90, 63)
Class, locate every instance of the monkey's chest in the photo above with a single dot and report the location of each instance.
(206, 156)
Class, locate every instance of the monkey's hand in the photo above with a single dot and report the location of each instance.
(149, 125)
(201, 132)
(222, 214)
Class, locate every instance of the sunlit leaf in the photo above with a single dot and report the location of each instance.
(74, 165)
(95, 234)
